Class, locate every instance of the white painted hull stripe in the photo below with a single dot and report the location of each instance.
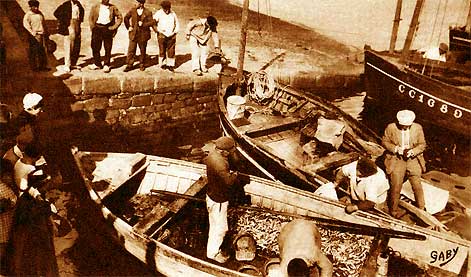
(421, 91)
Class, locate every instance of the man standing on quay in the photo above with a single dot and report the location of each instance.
(405, 142)
(70, 15)
(199, 32)
(167, 29)
(104, 21)
(138, 22)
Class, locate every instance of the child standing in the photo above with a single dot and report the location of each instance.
(34, 23)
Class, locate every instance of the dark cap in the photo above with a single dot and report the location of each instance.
(225, 143)
(443, 46)
(166, 4)
(366, 167)
(141, 1)
(212, 22)
(33, 3)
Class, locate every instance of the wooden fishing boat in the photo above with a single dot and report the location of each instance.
(159, 233)
(438, 91)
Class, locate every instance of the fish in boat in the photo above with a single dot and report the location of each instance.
(273, 125)
(154, 208)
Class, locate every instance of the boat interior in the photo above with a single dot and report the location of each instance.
(164, 201)
(304, 134)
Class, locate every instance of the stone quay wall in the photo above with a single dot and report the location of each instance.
(146, 105)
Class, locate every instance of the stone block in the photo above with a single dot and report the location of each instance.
(120, 103)
(178, 104)
(136, 115)
(153, 116)
(101, 85)
(74, 85)
(206, 99)
(183, 96)
(190, 101)
(157, 99)
(174, 83)
(138, 84)
(162, 107)
(77, 106)
(141, 100)
(208, 83)
(112, 116)
(170, 98)
(95, 104)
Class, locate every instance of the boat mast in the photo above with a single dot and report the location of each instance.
(397, 19)
(468, 22)
(243, 41)
(412, 28)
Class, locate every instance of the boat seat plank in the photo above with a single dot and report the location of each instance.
(117, 171)
(261, 129)
(334, 160)
(158, 213)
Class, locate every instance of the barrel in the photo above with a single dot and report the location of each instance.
(235, 106)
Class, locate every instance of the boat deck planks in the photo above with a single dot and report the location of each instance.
(158, 213)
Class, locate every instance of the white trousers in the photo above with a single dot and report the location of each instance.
(217, 225)
(199, 54)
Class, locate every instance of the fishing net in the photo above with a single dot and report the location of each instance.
(260, 87)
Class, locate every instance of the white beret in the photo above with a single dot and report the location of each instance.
(405, 117)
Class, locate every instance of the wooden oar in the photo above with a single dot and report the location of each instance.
(325, 222)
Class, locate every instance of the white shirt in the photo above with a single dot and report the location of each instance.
(167, 24)
(104, 15)
(139, 11)
(434, 54)
(21, 171)
(75, 11)
(373, 188)
(405, 139)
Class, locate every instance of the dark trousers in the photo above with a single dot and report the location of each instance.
(167, 48)
(132, 52)
(101, 35)
(37, 52)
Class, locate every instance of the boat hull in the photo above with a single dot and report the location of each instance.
(433, 101)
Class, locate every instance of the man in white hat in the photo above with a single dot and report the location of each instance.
(405, 144)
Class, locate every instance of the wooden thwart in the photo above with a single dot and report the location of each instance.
(149, 223)
(335, 160)
(269, 128)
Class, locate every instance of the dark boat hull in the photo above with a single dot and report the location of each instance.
(433, 101)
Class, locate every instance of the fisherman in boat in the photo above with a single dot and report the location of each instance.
(300, 250)
(368, 185)
(220, 181)
(321, 137)
(405, 143)
(437, 53)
